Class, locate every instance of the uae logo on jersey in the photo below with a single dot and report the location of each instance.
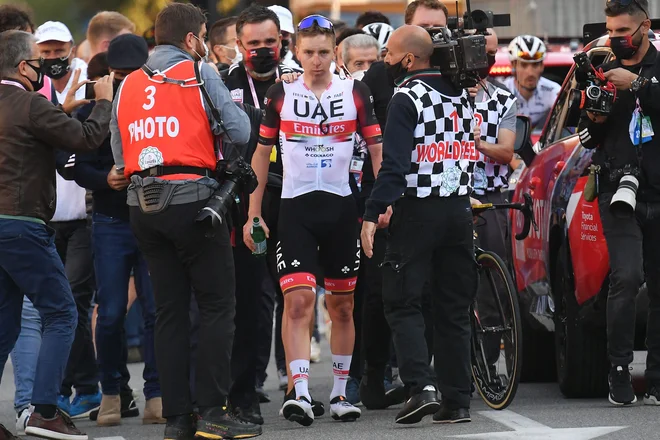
(237, 95)
(150, 157)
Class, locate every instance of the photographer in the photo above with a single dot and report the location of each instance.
(163, 136)
(430, 233)
(629, 162)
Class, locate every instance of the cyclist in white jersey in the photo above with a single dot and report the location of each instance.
(315, 119)
(536, 95)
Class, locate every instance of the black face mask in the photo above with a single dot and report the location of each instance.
(39, 83)
(285, 49)
(483, 73)
(625, 48)
(56, 68)
(396, 71)
(262, 60)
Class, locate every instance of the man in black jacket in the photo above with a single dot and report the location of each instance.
(628, 154)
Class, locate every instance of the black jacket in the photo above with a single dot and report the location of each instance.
(615, 149)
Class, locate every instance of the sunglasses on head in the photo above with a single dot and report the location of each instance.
(320, 20)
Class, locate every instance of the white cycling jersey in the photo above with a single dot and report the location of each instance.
(540, 104)
(317, 136)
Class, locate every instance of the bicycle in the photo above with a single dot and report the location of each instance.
(493, 334)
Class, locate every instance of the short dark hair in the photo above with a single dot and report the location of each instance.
(371, 17)
(428, 4)
(348, 32)
(15, 17)
(218, 31)
(254, 14)
(176, 21)
(637, 8)
(98, 66)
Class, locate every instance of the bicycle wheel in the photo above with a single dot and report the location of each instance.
(496, 333)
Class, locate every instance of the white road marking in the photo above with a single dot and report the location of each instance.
(109, 438)
(528, 429)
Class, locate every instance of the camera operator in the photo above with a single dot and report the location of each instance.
(163, 136)
(430, 232)
(629, 162)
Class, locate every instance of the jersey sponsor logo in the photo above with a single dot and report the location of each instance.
(297, 128)
(319, 148)
(303, 109)
(150, 157)
(439, 151)
(326, 163)
(237, 95)
(148, 128)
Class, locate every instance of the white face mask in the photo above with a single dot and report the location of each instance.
(204, 58)
(358, 75)
(238, 55)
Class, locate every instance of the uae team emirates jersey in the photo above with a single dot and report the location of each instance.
(317, 135)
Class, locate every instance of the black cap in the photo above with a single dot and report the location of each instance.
(127, 52)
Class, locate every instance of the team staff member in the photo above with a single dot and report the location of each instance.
(635, 238)
(163, 138)
(430, 235)
(380, 79)
(316, 117)
(259, 43)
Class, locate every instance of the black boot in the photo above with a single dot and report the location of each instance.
(180, 427)
(219, 423)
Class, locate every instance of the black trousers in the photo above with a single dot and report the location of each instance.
(182, 260)
(73, 241)
(432, 239)
(633, 244)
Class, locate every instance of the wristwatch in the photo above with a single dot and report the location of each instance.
(638, 83)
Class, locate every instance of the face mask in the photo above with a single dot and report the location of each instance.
(57, 68)
(238, 56)
(623, 47)
(206, 50)
(395, 71)
(483, 73)
(39, 83)
(262, 60)
(359, 75)
(285, 49)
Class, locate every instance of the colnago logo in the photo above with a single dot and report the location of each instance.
(437, 152)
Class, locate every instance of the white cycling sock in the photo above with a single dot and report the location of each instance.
(300, 375)
(340, 367)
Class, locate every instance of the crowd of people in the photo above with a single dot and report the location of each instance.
(108, 171)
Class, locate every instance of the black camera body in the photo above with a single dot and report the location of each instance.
(234, 177)
(459, 52)
(593, 92)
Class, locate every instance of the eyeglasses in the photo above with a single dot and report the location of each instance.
(526, 56)
(625, 3)
(40, 60)
(320, 20)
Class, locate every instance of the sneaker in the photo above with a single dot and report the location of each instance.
(449, 415)
(315, 351)
(129, 409)
(249, 415)
(22, 418)
(60, 427)
(317, 407)
(419, 406)
(5, 434)
(298, 410)
(652, 396)
(353, 391)
(84, 404)
(180, 427)
(342, 409)
(64, 403)
(621, 389)
(284, 380)
(218, 423)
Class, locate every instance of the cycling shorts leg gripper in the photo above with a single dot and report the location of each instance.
(344, 286)
(298, 280)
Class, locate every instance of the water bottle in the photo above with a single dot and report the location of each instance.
(259, 237)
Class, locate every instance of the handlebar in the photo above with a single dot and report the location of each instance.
(525, 208)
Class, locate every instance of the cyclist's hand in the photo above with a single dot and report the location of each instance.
(367, 238)
(384, 219)
(247, 232)
(288, 77)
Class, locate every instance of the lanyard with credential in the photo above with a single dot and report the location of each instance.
(12, 83)
(255, 98)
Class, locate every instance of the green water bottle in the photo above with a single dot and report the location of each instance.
(259, 237)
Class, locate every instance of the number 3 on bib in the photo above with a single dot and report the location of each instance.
(151, 91)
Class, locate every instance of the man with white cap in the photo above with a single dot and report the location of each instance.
(288, 32)
(72, 234)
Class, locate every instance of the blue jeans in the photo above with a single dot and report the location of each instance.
(115, 254)
(30, 266)
(25, 355)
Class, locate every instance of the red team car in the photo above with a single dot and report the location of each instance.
(562, 269)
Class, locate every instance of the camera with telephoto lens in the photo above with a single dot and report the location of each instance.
(593, 92)
(624, 199)
(459, 52)
(234, 177)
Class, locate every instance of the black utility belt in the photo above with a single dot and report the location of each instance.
(160, 171)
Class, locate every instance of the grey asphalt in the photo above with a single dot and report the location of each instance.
(539, 412)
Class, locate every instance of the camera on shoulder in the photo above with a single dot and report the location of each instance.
(593, 92)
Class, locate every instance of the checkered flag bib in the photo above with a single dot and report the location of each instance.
(444, 154)
(488, 174)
